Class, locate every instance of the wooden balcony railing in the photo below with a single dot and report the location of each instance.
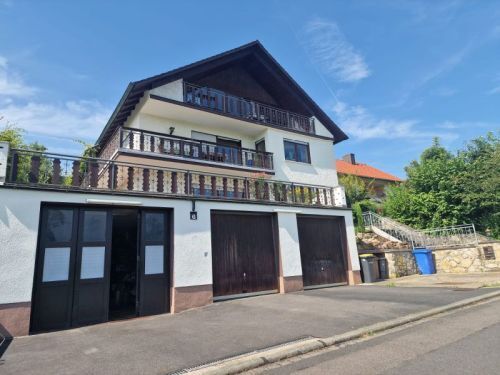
(220, 101)
(186, 148)
(54, 171)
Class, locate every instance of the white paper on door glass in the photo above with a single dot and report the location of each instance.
(56, 264)
(154, 259)
(92, 262)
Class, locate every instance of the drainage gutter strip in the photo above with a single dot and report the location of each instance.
(254, 360)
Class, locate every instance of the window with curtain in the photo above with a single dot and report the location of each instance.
(297, 151)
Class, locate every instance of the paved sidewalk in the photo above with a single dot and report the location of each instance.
(448, 280)
(166, 343)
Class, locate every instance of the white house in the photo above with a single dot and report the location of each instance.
(213, 181)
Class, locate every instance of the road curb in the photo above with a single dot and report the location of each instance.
(261, 358)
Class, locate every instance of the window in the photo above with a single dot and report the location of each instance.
(297, 151)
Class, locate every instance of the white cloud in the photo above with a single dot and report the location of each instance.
(362, 125)
(328, 47)
(494, 90)
(81, 119)
(11, 84)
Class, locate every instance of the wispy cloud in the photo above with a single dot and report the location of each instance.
(11, 83)
(73, 119)
(363, 125)
(445, 91)
(329, 48)
(21, 105)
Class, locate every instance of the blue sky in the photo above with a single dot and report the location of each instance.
(392, 74)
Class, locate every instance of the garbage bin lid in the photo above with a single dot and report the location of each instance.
(421, 250)
(367, 256)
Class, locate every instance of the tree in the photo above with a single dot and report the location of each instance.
(15, 136)
(357, 193)
(448, 189)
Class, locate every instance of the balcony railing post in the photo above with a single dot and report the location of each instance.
(174, 183)
(201, 179)
(224, 186)
(56, 171)
(34, 174)
(159, 181)
(294, 195)
(131, 140)
(213, 183)
(121, 137)
(76, 173)
(112, 176)
(14, 167)
(130, 178)
(235, 187)
(145, 179)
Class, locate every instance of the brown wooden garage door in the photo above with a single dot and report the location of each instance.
(243, 253)
(321, 249)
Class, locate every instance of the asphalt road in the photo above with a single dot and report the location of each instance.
(463, 342)
(164, 344)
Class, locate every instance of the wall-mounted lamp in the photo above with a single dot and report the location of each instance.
(172, 130)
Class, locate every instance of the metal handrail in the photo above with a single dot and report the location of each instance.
(455, 235)
(220, 101)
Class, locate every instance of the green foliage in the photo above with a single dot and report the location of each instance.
(356, 189)
(445, 189)
(15, 137)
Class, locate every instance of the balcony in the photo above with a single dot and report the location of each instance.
(221, 102)
(174, 147)
(70, 173)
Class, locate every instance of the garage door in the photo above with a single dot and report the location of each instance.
(321, 250)
(74, 265)
(243, 253)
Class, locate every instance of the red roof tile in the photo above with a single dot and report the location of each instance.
(364, 170)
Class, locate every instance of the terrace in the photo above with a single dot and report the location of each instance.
(69, 173)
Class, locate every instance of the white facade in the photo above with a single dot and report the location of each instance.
(153, 115)
(192, 252)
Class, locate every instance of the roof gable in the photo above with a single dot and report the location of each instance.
(260, 65)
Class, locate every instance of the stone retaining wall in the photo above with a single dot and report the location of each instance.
(401, 262)
(467, 259)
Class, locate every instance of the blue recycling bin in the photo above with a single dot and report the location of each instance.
(424, 260)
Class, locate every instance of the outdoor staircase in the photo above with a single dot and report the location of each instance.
(453, 236)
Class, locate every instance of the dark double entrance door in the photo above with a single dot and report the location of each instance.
(95, 264)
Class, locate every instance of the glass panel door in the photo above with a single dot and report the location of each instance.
(91, 294)
(153, 269)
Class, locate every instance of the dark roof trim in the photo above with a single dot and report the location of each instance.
(136, 89)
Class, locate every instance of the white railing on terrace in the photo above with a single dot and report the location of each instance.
(457, 235)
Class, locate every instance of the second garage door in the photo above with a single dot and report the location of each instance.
(243, 253)
(321, 250)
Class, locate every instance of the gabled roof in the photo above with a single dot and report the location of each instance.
(364, 170)
(135, 90)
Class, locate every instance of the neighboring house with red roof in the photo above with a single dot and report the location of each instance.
(378, 179)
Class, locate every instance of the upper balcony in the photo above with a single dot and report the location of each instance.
(249, 110)
(177, 148)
